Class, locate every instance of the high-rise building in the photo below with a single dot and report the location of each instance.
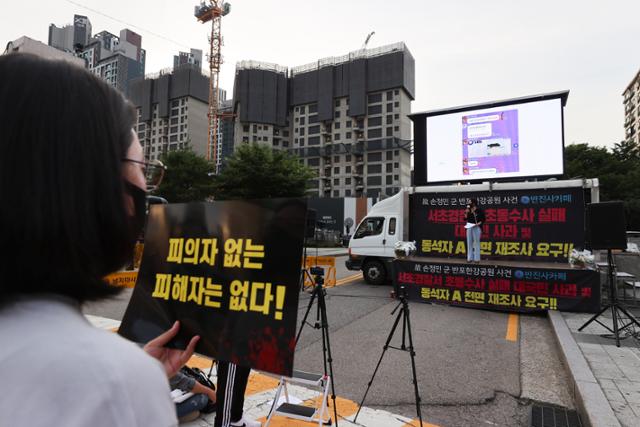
(70, 38)
(172, 111)
(631, 101)
(116, 59)
(193, 57)
(345, 117)
(26, 45)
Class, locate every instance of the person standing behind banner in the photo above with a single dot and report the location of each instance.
(475, 218)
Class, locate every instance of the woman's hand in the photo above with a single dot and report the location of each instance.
(172, 359)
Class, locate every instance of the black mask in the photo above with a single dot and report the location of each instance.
(139, 217)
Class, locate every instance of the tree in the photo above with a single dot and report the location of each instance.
(618, 171)
(188, 177)
(257, 172)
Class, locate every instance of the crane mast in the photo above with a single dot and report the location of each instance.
(213, 11)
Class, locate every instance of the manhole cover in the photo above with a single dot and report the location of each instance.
(553, 416)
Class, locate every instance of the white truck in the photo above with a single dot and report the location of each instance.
(371, 248)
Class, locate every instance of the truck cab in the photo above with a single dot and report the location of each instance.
(371, 249)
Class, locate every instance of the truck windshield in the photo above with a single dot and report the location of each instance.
(369, 227)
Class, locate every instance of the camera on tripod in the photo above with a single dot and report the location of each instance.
(318, 274)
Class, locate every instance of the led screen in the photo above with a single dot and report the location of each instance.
(511, 141)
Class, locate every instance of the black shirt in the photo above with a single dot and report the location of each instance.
(475, 217)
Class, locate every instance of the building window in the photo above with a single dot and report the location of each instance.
(396, 104)
(301, 131)
(285, 133)
(389, 95)
(302, 120)
(347, 169)
(396, 116)
(396, 128)
(374, 133)
(255, 138)
(389, 155)
(336, 137)
(396, 91)
(336, 159)
(336, 114)
(374, 109)
(374, 157)
(313, 108)
(296, 119)
(396, 152)
(336, 181)
(347, 135)
(389, 168)
(376, 97)
(301, 140)
(348, 123)
(389, 131)
(389, 120)
(313, 119)
(336, 193)
(375, 121)
(255, 128)
(389, 180)
(347, 192)
(336, 125)
(337, 102)
(389, 107)
(396, 177)
(347, 181)
(396, 165)
(336, 170)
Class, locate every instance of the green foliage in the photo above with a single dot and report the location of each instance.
(188, 177)
(618, 171)
(258, 172)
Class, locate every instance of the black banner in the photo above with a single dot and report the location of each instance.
(500, 287)
(229, 271)
(539, 225)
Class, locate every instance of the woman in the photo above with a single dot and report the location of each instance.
(72, 202)
(475, 218)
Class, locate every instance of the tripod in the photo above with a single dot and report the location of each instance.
(321, 323)
(617, 309)
(403, 314)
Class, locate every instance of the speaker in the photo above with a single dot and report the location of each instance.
(606, 226)
(310, 229)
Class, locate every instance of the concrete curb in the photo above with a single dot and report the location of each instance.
(591, 403)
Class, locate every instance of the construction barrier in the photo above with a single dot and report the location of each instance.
(126, 279)
(320, 261)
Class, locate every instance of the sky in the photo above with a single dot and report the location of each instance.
(466, 51)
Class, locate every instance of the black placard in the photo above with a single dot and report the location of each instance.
(499, 287)
(229, 271)
(538, 225)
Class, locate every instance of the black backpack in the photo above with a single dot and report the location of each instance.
(198, 375)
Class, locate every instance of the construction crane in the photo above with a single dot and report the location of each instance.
(213, 11)
(366, 42)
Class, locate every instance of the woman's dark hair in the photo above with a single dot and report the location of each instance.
(63, 220)
(473, 202)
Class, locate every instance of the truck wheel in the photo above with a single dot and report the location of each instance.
(374, 272)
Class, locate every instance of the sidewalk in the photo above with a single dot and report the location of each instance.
(606, 379)
(261, 391)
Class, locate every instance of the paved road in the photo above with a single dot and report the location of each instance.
(474, 367)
